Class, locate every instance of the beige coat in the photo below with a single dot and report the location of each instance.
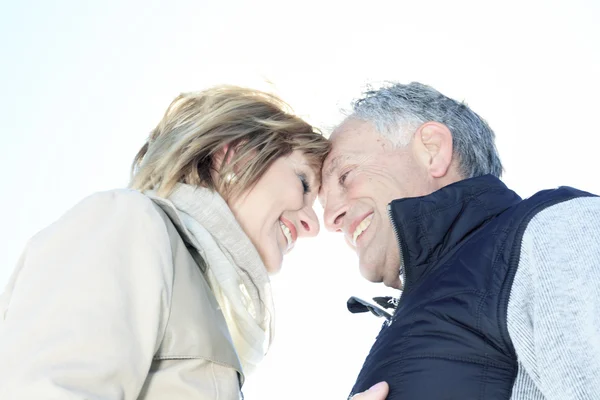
(108, 303)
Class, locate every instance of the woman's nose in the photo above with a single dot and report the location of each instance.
(308, 222)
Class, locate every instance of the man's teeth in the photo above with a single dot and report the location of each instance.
(286, 233)
(361, 228)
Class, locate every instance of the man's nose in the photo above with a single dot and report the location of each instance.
(334, 213)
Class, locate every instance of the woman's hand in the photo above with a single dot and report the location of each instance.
(376, 392)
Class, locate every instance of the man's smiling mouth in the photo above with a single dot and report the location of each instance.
(364, 224)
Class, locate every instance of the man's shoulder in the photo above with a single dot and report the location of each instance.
(557, 221)
(552, 207)
(564, 226)
(567, 213)
(550, 197)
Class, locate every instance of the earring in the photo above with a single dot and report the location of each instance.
(230, 177)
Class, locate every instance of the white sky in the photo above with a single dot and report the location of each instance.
(82, 84)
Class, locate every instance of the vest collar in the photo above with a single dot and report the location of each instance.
(428, 227)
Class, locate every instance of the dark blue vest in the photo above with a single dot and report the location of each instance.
(448, 338)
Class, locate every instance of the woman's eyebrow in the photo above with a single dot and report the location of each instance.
(311, 178)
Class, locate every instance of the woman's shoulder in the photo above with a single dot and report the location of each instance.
(125, 212)
(122, 196)
(125, 204)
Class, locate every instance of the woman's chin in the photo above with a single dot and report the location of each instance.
(274, 264)
(273, 270)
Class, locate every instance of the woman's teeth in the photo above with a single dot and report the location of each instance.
(361, 228)
(286, 233)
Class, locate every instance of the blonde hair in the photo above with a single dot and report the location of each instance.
(252, 125)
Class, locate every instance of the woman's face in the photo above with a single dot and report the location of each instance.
(278, 209)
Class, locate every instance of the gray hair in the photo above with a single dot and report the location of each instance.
(398, 110)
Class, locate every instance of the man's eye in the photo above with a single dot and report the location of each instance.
(343, 177)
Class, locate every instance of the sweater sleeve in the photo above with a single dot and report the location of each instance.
(554, 307)
(86, 308)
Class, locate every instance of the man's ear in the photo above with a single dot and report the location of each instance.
(434, 142)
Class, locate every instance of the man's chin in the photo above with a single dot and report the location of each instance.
(370, 273)
(393, 282)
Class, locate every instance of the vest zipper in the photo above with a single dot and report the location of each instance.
(399, 241)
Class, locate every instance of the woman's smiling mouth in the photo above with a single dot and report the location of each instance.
(289, 232)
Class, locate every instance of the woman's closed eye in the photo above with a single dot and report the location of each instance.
(305, 184)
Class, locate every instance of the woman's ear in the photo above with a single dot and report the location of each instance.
(223, 156)
(223, 174)
(434, 141)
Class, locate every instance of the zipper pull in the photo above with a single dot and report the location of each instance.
(357, 305)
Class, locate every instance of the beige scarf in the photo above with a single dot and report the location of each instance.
(235, 270)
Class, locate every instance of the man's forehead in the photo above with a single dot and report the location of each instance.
(351, 126)
(331, 164)
(346, 140)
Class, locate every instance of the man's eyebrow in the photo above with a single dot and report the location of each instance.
(334, 164)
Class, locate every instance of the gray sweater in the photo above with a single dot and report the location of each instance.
(554, 307)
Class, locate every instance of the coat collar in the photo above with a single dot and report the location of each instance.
(234, 268)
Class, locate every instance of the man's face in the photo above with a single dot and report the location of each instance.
(361, 176)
